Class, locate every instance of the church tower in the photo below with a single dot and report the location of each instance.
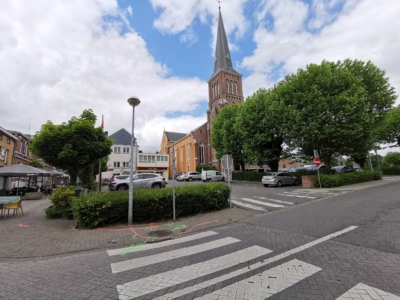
(224, 86)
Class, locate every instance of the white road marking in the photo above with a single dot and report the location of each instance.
(252, 267)
(160, 281)
(240, 203)
(267, 283)
(298, 196)
(160, 244)
(263, 203)
(152, 259)
(362, 291)
(274, 200)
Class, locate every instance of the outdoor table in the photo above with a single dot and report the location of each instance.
(3, 202)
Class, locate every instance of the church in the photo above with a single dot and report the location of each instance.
(224, 87)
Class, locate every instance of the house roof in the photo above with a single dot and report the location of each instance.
(17, 133)
(9, 134)
(174, 136)
(121, 137)
(223, 60)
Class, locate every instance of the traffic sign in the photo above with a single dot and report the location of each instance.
(227, 161)
(317, 162)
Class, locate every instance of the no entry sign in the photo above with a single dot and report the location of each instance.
(317, 162)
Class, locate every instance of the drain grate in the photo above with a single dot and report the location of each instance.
(160, 233)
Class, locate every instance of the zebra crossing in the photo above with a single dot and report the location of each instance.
(251, 279)
(281, 200)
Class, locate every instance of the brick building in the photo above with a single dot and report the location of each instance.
(7, 144)
(224, 87)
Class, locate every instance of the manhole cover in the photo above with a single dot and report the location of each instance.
(160, 233)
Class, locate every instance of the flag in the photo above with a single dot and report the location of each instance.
(102, 121)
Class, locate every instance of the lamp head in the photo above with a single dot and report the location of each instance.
(133, 101)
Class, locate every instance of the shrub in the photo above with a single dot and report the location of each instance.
(97, 209)
(62, 196)
(53, 212)
(395, 170)
(341, 179)
(205, 168)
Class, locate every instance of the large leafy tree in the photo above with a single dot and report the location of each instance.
(261, 123)
(334, 107)
(389, 131)
(225, 135)
(75, 146)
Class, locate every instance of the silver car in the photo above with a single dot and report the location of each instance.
(190, 176)
(140, 180)
(278, 179)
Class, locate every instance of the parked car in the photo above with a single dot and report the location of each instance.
(283, 170)
(190, 176)
(177, 174)
(295, 169)
(345, 169)
(140, 180)
(278, 179)
(211, 175)
(116, 178)
(180, 177)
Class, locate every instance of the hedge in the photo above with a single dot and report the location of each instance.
(149, 205)
(257, 176)
(341, 179)
(61, 198)
(395, 170)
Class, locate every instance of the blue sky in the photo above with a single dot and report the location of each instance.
(61, 57)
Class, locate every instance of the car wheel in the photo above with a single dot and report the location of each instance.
(296, 183)
(223, 179)
(279, 184)
(190, 178)
(156, 186)
(266, 185)
(209, 179)
(204, 181)
(122, 187)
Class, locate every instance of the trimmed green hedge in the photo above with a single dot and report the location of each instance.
(149, 205)
(395, 170)
(341, 179)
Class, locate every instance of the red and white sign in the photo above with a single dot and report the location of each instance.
(317, 162)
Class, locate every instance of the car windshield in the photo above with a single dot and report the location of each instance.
(270, 174)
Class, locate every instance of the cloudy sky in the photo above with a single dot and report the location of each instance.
(58, 58)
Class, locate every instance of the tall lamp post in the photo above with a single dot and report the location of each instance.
(133, 101)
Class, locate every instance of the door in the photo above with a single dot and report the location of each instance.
(138, 181)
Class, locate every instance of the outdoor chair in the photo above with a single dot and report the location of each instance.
(16, 206)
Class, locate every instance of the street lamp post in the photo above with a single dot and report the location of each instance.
(133, 101)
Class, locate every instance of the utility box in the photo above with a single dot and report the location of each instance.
(79, 190)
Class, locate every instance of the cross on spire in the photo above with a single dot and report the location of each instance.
(219, 4)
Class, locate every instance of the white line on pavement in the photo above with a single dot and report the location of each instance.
(152, 259)
(263, 203)
(240, 203)
(160, 281)
(298, 196)
(267, 261)
(267, 283)
(362, 291)
(274, 200)
(161, 244)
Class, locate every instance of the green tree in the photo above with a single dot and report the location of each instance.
(225, 134)
(391, 159)
(261, 124)
(36, 164)
(389, 131)
(75, 146)
(334, 108)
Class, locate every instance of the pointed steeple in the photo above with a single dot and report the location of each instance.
(222, 58)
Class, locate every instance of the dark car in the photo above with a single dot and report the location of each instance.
(344, 169)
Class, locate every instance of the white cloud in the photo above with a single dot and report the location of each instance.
(65, 58)
(366, 30)
(189, 37)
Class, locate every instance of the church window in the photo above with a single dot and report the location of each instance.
(236, 88)
(188, 152)
(212, 88)
(232, 87)
(227, 86)
(182, 154)
(201, 151)
(218, 87)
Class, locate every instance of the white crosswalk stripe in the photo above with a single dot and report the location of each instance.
(263, 203)
(295, 195)
(246, 205)
(267, 283)
(157, 258)
(275, 200)
(159, 245)
(152, 283)
(363, 291)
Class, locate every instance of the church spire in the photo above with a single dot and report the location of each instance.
(222, 54)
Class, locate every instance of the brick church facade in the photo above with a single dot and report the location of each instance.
(224, 87)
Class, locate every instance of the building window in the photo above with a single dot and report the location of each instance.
(117, 164)
(227, 86)
(125, 150)
(8, 140)
(201, 152)
(188, 150)
(117, 149)
(236, 88)
(181, 154)
(218, 87)
(3, 154)
(1, 137)
(162, 158)
(231, 87)
(147, 158)
(213, 94)
(125, 164)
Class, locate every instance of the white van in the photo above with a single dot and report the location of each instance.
(212, 176)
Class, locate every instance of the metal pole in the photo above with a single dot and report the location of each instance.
(229, 182)
(319, 179)
(100, 176)
(173, 187)
(130, 207)
(370, 163)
